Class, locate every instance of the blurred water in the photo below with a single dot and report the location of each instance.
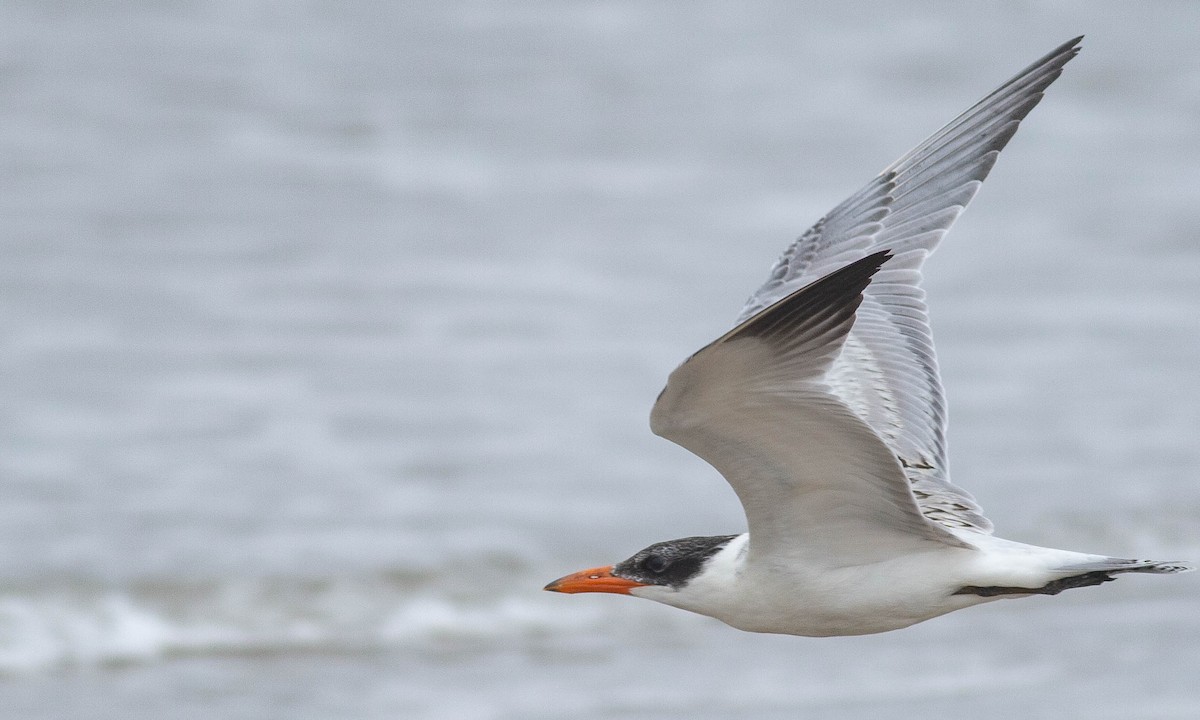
(330, 332)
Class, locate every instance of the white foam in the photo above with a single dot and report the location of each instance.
(58, 630)
(89, 627)
(432, 618)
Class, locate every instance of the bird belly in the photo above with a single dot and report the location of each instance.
(857, 600)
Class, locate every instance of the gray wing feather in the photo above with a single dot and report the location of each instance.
(887, 371)
(814, 479)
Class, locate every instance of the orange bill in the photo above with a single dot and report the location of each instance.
(598, 579)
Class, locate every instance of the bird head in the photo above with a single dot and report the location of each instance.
(669, 566)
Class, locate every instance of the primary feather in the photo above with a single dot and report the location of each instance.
(887, 372)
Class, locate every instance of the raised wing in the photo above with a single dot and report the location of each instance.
(887, 373)
(815, 481)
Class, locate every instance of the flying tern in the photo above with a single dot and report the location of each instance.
(823, 408)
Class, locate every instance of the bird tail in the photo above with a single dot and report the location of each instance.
(1084, 574)
(1121, 565)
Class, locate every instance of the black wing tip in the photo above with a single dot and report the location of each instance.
(833, 298)
(856, 275)
(1067, 50)
(1011, 102)
(1041, 73)
(848, 281)
(1058, 57)
(878, 258)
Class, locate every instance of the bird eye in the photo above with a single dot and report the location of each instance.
(656, 563)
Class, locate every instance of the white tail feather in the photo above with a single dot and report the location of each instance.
(1121, 565)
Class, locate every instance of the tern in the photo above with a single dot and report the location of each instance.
(823, 408)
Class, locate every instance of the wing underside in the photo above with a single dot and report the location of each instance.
(813, 478)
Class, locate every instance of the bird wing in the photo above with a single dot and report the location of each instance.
(887, 372)
(816, 482)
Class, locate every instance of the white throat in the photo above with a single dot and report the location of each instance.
(714, 591)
